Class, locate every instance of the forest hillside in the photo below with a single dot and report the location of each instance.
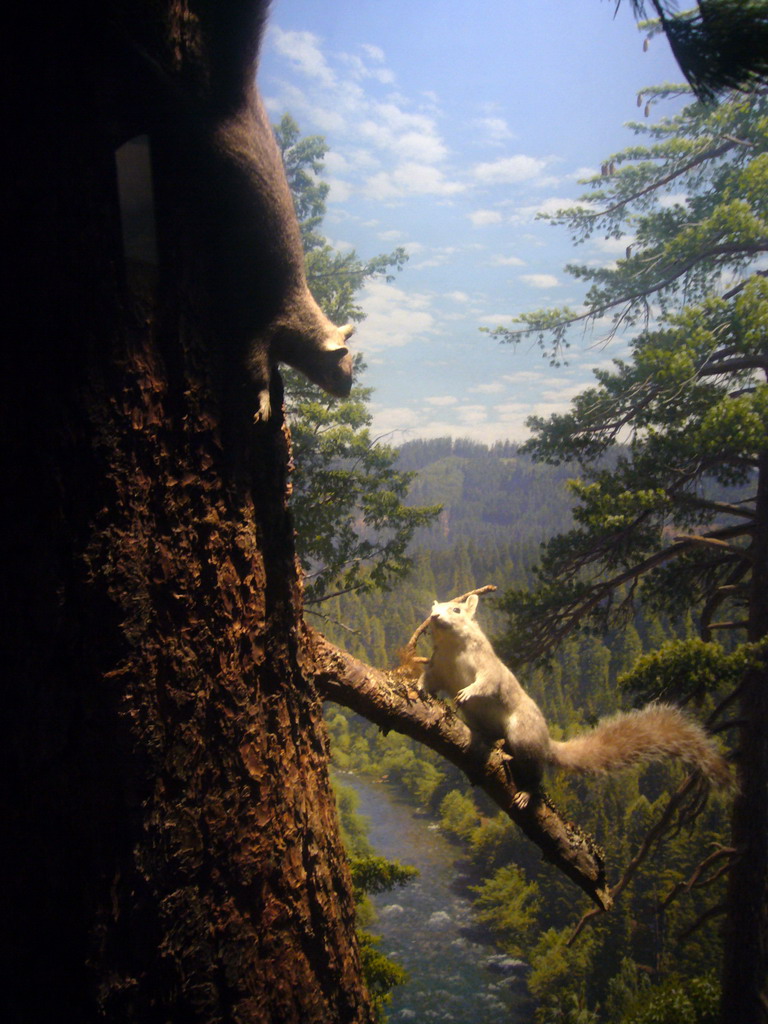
(497, 509)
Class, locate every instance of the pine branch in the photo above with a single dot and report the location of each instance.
(707, 154)
(654, 834)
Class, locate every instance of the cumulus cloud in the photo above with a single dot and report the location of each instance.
(540, 280)
(495, 319)
(302, 50)
(547, 207)
(410, 179)
(509, 170)
(371, 67)
(480, 218)
(495, 129)
(393, 317)
(438, 400)
(507, 261)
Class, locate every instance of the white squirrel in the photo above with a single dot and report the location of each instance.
(494, 704)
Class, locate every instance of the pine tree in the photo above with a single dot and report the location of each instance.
(353, 526)
(678, 517)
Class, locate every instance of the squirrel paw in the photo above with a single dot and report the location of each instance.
(521, 799)
(463, 694)
(264, 410)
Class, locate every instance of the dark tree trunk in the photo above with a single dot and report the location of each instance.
(174, 847)
(745, 980)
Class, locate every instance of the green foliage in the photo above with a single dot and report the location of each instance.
(458, 814)
(667, 517)
(353, 527)
(676, 1001)
(690, 204)
(559, 976)
(374, 874)
(381, 974)
(354, 828)
(681, 669)
(510, 905)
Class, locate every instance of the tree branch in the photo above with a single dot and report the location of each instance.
(696, 881)
(707, 154)
(390, 700)
(687, 788)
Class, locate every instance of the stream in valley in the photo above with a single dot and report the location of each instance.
(428, 926)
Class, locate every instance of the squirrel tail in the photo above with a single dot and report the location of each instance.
(637, 737)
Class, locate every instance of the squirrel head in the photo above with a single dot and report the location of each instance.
(452, 616)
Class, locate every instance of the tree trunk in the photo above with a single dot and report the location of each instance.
(175, 850)
(745, 967)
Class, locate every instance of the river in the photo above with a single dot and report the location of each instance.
(456, 975)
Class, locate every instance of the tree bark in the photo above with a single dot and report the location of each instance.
(175, 854)
(745, 963)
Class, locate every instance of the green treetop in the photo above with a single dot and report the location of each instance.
(677, 506)
(673, 447)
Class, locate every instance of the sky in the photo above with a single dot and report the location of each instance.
(449, 127)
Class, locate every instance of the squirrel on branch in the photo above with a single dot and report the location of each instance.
(495, 705)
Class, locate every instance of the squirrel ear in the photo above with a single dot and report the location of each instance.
(471, 604)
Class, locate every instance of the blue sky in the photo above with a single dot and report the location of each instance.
(449, 127)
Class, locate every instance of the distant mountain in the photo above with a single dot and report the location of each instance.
(488, 493)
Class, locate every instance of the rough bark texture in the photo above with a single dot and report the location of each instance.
(745, 983)
(391, 701)
(174, 846)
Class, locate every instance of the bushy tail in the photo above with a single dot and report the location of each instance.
(637, 737)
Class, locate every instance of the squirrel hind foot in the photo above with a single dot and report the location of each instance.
(521, 799)
(264, 410)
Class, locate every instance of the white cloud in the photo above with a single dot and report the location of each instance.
(540, 280)
(340, 190)
(494, 388)
(393, 317)
(302, 49)
(408, 134)
(525, 376)
(410, 179)
(509, 170)
(613, 246)
(498, 318)
(584, 173)
(480, 218)
(549, 207)
(469, 414)
(335, 163)
(507, 261)
(341, 245)
(438, 400)
(457, 296)
(361, 69)
(495, 128)
(375, 53)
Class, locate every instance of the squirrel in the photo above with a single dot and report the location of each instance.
(494, 704)
(215, 159)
